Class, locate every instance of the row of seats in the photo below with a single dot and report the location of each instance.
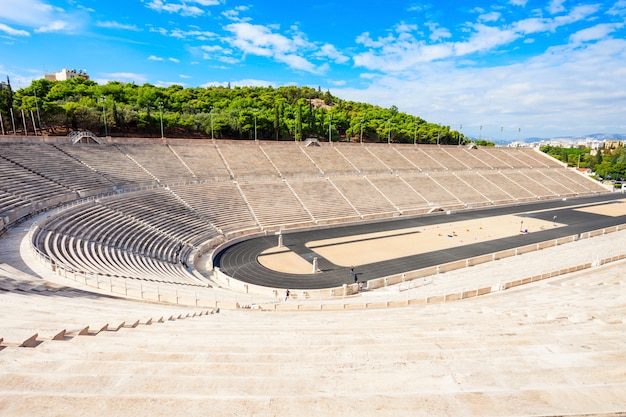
(47, 175)
(165, 224)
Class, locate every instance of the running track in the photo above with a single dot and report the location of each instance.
(240, 260)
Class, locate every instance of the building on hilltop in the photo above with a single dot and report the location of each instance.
(5, 86)
(66, 74)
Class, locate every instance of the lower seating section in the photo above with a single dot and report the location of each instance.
(274, 204)
(220, 203)
(401, 194)
(323, 200)
(366, 198)
(431, 191)
(462, 191)
(491, 191)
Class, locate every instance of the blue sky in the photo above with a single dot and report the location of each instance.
(515, 67)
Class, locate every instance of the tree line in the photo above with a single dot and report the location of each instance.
(283, 113)
(607, 163)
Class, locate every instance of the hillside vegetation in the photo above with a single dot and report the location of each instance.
(283, 113)
(607, 163)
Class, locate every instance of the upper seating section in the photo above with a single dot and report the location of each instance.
(203, 160)
(290, 160)
(58, 167)
(404, 178)
(247, 161)
(159, 161)
(110, 162)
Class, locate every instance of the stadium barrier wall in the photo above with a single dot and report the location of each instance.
(340, 298)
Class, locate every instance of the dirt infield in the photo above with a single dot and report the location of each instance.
(375, 247)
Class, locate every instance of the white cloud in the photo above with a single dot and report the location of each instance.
(55, 26)
(329, 51)
(185, 76)
(556, 6)
(262, 41)
(401, 51)
(181, 8)
(521, 3)
(197, 34)
(32, 13)
(600, 31)
(155, 58)
(169, 83)
(175, 60)
(40, 16)
(437, 32)
(618, 9)
(117, 25)
(206, 2)
(489, 17)
(13, 32)
(533, 95)
(122, 76)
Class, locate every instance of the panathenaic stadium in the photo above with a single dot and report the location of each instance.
(218, 278)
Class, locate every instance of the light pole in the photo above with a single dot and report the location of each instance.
(104, 116)
(361, 137)
(480, 137)
(438, 133)
(501, 133)
(389, 132)
(1, 124)
(161, 116)
(460, 129)
(12, 120)
(211, 113)
(37, 107)
(255, 136)
(330, 137)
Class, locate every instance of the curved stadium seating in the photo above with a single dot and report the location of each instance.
(151, 205)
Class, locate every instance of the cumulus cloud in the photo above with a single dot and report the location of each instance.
(122, 76)
(401, 50)
(263, 41)
(56, 26)
(13, 32)
(597, 32)
(117, 25)
(532, 95)
(155, 58)
(180, 8)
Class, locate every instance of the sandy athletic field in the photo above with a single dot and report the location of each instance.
(375, 247)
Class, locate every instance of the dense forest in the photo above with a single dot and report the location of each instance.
(607, 163)
(283, 113)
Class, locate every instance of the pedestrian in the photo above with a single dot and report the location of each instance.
(360, 285)
(286, 295)
(352, 274)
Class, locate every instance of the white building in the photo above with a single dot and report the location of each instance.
(66, 74)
